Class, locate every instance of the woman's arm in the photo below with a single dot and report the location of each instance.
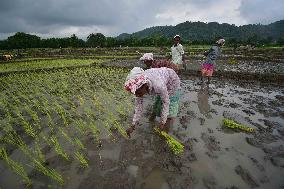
(138, 110)
(165, 104)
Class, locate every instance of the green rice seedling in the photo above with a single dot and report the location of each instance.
(8, 127)
(16, 100)
(174, 145)
(233, 125)
(70, 103)
(95, 132)
(29, 130)
(108, 129)
(58, 148)
(232, 60)
(65, 135)
(38, 105)
(88, 112)
(32, 113)
(15, 167)
(34, 117)
(81, 126)
(38, 151)
(117, 125)
(81, 100)
(62, 113)
(98, 105)
(79, 156)
(50, 122)
(45, 139)
(79, 143)
(49, 172)
(13, 138)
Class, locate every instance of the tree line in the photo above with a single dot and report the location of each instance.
(22, 40)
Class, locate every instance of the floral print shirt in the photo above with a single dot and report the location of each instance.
(163, 82)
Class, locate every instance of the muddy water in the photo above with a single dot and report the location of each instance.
(223, 157)
(214, 157)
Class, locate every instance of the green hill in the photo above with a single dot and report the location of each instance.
(207, 31)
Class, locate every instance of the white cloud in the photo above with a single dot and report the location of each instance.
(262, 11)
(222, 11)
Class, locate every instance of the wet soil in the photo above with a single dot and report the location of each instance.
(214, 156)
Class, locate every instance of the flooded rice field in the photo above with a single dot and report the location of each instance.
(65, 128)
(214, 156)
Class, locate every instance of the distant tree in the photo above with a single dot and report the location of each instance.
(22, 40)
(96, 40)
(75, 41)
(110, 42)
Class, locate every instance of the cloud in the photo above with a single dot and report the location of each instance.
(262, 11)
(222, 11)
(53, 18)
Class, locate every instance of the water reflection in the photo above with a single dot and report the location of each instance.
(203, 96)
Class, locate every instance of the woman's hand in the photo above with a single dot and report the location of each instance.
(130, 130)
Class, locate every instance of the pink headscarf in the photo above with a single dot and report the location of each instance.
(135, 80)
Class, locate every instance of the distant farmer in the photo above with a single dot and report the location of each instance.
(211, 56)
(150, 62)
(161, 82)
(177, 53)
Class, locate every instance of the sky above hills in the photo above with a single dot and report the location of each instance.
(61, 18)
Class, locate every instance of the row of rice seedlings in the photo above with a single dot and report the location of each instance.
(95, 131)
(58, 148)
(29, 129)
(79, 156)
(117, 125)
(74, 141)
(34, 116)
(98, 104)
(64, 115)
(49, 172)
(36, 156)
(81, 127)
(16, 167)
(13, 138)
(42, 105)
(37, 150)
(47, 64)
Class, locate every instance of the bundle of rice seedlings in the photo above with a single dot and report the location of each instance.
(233, 125)
(174, 145)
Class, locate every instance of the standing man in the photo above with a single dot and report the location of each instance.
(177, 53)
(211, 55)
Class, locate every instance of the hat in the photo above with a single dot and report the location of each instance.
(221, 41)
(176, 36)
(147, 56)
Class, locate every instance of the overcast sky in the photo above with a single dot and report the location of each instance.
(58, 18)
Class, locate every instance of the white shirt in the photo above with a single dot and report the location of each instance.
(177, 52)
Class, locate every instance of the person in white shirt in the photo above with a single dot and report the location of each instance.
(177, 53)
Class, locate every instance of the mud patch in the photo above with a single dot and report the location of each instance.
(246, 176)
